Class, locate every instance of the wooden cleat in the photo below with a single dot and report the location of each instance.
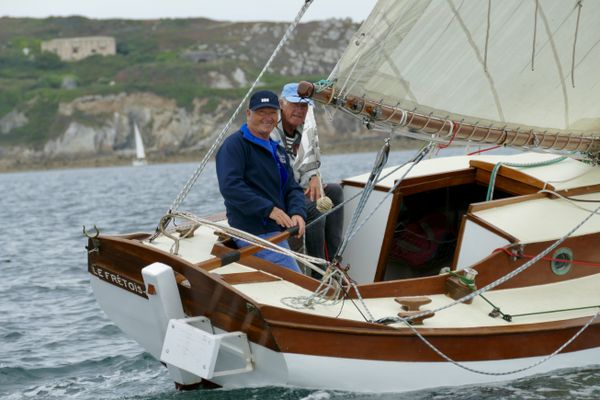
(412, 303)
(416, 321)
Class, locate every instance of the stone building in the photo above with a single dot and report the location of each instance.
(74, 49)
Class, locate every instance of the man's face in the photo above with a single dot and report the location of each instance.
(293, 113)
(262, 121)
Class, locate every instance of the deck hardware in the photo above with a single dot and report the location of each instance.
(94, 239)
(417, 320)
(250, 307)
(187, 231)
(412, 303)
(562, 261)
(495, 313)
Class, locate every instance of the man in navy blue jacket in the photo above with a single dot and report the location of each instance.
(256, 179)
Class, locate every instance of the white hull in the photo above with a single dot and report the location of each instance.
(139, 320)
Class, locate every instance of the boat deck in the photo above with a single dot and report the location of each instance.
(539, 220)
(574, 293)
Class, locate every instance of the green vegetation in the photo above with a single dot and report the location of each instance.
(149, 59)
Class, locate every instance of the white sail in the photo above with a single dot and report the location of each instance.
(518, 64)
(140, 154)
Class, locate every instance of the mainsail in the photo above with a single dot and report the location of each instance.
(524, 72)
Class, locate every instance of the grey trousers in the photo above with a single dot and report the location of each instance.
(326, 233)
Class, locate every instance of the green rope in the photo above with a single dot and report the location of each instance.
(322, 85)
(509, 317)
(490, 191)
(470, 283)
(554, 311)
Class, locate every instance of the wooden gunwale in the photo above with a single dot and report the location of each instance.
(319, 336)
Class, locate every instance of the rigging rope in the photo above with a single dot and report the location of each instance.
(380, 162)
(514, 371)
(192, 180)
(305, 259)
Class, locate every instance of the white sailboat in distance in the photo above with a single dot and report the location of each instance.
(140, 155)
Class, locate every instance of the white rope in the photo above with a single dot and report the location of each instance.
(514, 371)
(306, 260)
(572, 202)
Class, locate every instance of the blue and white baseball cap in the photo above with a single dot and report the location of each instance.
(290, 93)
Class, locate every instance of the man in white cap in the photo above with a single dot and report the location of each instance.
(297, 134)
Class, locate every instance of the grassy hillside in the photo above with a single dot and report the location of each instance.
(150, 57)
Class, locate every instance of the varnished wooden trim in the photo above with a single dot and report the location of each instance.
(461, 232)
(426, 183)
(511, 174)
(234, 255)
(492, 228)
(437, 181)
(141, 236)
(486, 205)
(505, 184)
(388, 237)
(248, 277)
(377, 188)
(309, 334)
(260, 264)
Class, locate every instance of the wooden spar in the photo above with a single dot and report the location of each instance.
(235, 255)
(381, 113)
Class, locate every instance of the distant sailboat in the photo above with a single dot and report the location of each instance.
(140, 155)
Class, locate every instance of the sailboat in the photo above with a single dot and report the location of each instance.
(457, 270)
(140, 154)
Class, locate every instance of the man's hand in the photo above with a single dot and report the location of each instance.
(281, 218)
(313, 191)
(299, 221)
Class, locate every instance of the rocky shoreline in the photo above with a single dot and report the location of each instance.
(343, 146)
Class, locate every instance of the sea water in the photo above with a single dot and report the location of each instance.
(56, 343)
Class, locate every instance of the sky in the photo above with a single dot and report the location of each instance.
(233, 10)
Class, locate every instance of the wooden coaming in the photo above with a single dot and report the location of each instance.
(508, 179)
(499, 263)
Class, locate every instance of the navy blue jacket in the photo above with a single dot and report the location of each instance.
(250, 182)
